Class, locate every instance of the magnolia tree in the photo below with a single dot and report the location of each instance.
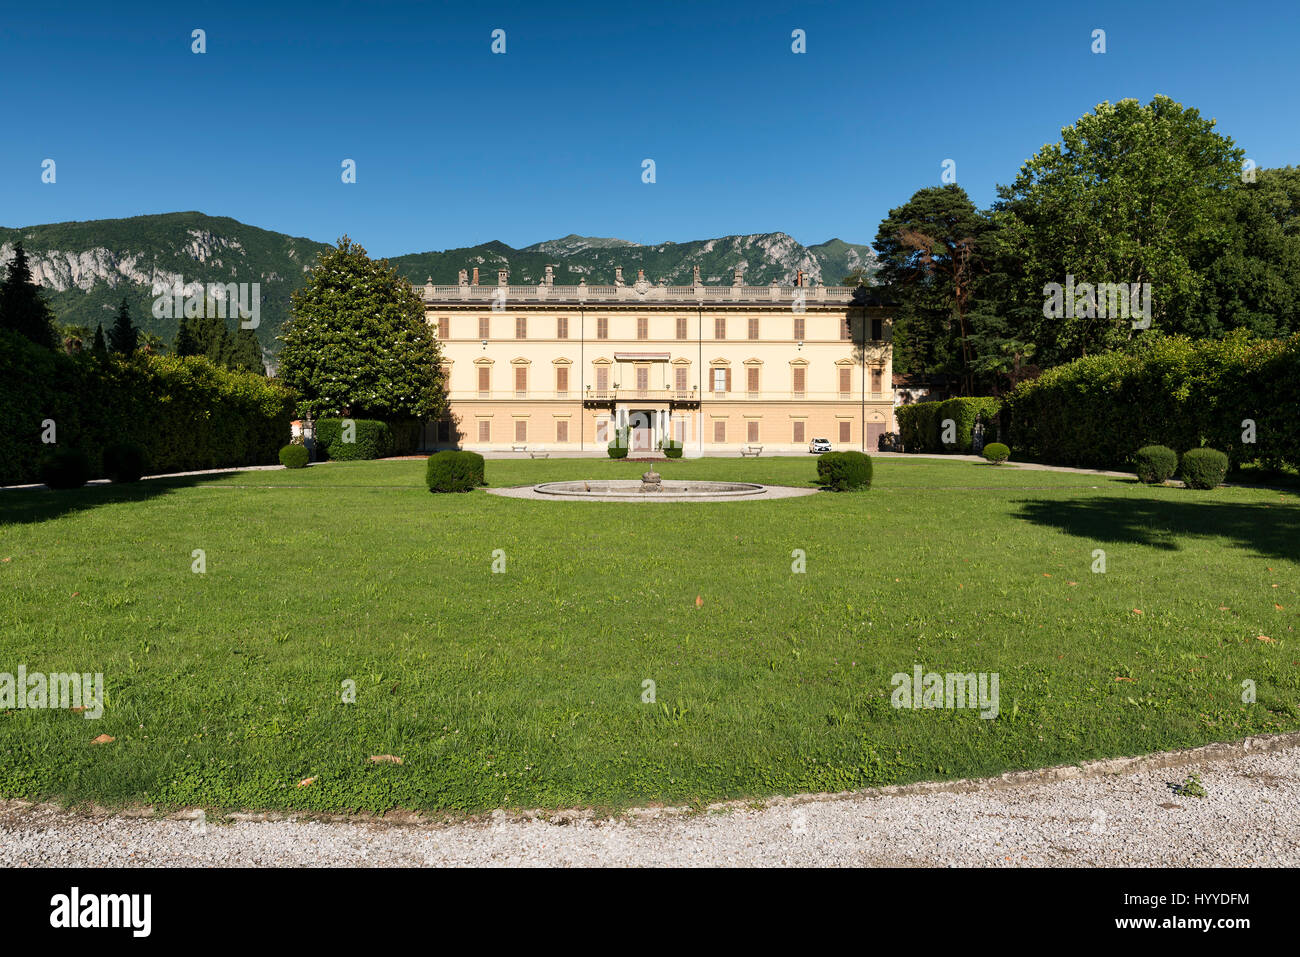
(357, 342)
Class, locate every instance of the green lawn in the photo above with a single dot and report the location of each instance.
(524, 689)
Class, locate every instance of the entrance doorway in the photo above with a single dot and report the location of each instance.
(641, 424)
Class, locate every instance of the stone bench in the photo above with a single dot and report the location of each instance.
(539, 454)
(518, 448)
(753, 450)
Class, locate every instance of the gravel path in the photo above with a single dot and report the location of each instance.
(1063, 816)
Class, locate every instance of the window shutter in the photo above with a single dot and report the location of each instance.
(726, 386)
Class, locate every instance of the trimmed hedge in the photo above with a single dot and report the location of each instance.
(65, 468)
(1171, 391)
(673, 449)
(453, 471)
(371, 439)
(124, 462)
(1203, 468)
(844, 471)
(183, 413)
(618, 445)
(294, 456)
(921, 424)
(1155, 464)
(996, 452)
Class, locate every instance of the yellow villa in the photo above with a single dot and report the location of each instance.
(722, 369)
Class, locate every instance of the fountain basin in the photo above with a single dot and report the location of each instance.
(663, 491)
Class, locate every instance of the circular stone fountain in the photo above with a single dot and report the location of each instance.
(651, 487)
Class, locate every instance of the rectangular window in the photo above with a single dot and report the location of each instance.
(720, 376)
(679, 378)
(521, 382)
(800, 380)
(751, 380)
(719, 430)
(602, 432)
(877, 329)
(484, 381)
(751, 431)
(720, 327)
(846, 329)
(521, 430)
(485, 430)
(521, 327)
(643, 328)
(798, 328)
(679, 430)
(602, 328)
(602, 379)
(562, 328)
(846, 429)
(846, 380)
(877, 380)
(753, 327)
(681, 327)
(483, 322)
(444, 327)
(561, 430)
(561, 382)
(642, 378)
(798, 432)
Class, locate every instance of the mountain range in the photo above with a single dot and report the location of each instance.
(86, 268)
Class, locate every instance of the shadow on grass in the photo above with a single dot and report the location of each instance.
(32, 506)
(1268, 529)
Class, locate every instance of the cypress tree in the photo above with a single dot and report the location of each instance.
(185, 344)
(123, 337)
(100, 348)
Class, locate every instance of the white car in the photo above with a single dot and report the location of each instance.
(819, 445)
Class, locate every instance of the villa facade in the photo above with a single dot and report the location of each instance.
(719, 368)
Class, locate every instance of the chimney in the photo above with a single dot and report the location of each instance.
(550, 276)
(462, 278)
(640, 275)
(618, 275)
(475, 282)
(503, 277)
(696, 280)
(798, 279)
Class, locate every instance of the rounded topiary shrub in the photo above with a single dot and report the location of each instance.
(996, 452)
(1203, 468)
(617, 451)
(673, 449)
(1155, 464)
(65, 468)
(844, 471)
(124, 462)
(453, 471)
(294, 456)
(474, 462)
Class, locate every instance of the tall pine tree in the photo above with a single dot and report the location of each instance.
(22, 304)
(123, 337)
(100, 348)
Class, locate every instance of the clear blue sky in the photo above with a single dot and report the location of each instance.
(456, 146)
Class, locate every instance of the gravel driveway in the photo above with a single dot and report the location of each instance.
(1107, 813)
